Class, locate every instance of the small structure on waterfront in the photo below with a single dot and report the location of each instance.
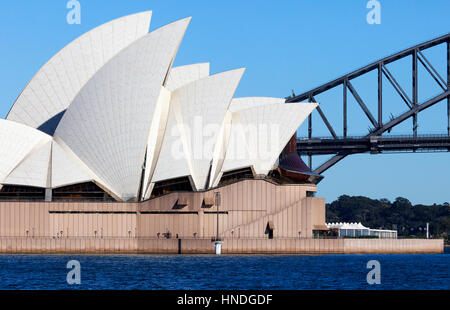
(357, 230)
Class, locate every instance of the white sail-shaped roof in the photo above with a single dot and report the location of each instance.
(221, 147)
(205, 101)
(199, 109)
(260, 129)
(171, 162)
(112, 114)
(67, 169)
(56, 84)
(42, 162)
(232, 138)
(180, 76)
(237, 149)
(18, 142)
(177, 77)
(33, 169)
(156, 136)
(50, 166)
(268, 129)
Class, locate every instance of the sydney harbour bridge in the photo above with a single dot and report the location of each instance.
(340, 145)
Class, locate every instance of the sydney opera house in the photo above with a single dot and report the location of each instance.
(111, 148)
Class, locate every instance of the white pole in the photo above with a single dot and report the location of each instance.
(428, 233)
(218, 247)
(217, 243)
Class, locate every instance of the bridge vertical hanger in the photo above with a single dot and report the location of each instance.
(380, 95)
(415, 90)
(309, 137)
(344, 103)
(448, 87)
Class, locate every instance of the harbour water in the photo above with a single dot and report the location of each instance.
(420, 271)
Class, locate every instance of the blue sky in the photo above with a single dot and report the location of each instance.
(284, 45)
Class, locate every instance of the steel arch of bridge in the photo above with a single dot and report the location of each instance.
(374, 142)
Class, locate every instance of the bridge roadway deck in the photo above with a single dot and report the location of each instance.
(373, 144)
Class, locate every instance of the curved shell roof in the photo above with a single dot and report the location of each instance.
(180, 76)
(177, 77)
(113, 112)
(19, 143)
(259, 131)
(193, 107)
(33, 170)
(56, 84)
(269, 128)
(40, 161)
(232, 140)
(66, 168)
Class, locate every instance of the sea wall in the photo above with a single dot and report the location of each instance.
(83, 245)
(332, 246)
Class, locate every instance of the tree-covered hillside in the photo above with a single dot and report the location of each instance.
(400, 215)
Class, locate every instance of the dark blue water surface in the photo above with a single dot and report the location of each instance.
(428, 271)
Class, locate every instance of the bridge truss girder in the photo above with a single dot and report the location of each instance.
(347, 147)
